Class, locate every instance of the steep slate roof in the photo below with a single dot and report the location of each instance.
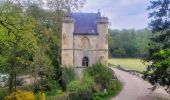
(85, 23)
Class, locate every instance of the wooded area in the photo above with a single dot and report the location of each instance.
(129, 43)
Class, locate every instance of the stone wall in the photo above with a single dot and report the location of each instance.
(95, 51)
(67, 42)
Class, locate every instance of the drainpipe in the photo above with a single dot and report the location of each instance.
(73, 50)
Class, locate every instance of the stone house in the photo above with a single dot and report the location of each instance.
(84, 39)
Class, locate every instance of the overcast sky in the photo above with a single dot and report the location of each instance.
(123, 14)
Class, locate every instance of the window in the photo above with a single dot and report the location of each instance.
(85, 61)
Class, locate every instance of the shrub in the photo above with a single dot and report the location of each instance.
(3, 93)
(101, 74)
(113, 90)
(63, 96)
(68, 74)
(27, 87)
(100, 96)
(46, 84)
(102, 77)
(40, 96)
(114, 87)
(81, 89)
(20, 95)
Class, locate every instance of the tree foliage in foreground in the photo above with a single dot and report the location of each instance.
(17, 41)
(159, 54)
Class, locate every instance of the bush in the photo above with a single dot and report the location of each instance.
(68, 75)
(64, 96)
(91, 86)
(27, 87)
(101, 75)
(100, 96)
(114, 87)
(40, 96)
(3, 93)
(20, 95)
(81, 89)
(48, 85)
(113, 90)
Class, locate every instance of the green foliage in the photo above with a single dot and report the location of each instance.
(68, 75)
(114, 89)
(102, 77)
(101, 74)
(128, 43)
(80, 86)
(159, 71)
(48, 34)
(17, 41)
(40, 96)
(159, 53)
(81, 89)
(86, 88)
(3, 93)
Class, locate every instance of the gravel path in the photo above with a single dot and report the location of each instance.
(134, 88)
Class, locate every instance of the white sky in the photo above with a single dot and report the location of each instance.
(123, 14)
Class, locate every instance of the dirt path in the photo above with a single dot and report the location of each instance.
(134, 88)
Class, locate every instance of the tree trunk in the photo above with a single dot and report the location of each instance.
(11, 81)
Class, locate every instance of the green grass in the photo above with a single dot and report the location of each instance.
(129, 63)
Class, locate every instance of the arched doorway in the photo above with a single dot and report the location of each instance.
(85, 62)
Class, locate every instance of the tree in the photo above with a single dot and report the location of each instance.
(55, 5)
(48, 33)
(17, 41)
(128, 43)
(65, 5)
(159, 53)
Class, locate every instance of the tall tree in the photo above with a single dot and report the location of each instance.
(159, 54)
(17, 41)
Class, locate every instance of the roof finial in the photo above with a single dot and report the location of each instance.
(99, 14)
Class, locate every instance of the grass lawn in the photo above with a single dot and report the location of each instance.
(129, 63)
